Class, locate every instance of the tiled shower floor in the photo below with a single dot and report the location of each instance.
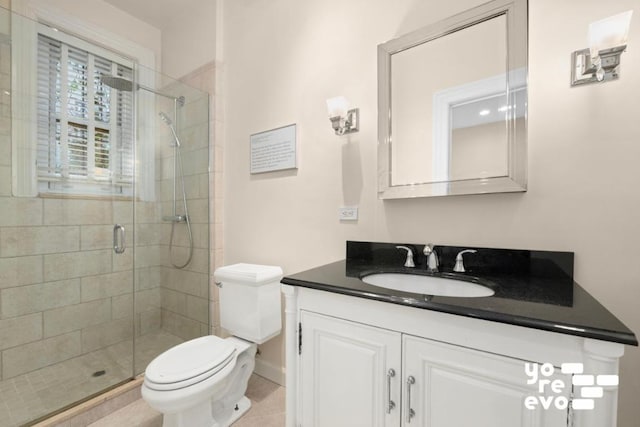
(35, 394)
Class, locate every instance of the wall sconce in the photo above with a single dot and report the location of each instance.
(601, 61)
(343, 119)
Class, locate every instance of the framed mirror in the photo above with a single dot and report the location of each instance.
(452, 105)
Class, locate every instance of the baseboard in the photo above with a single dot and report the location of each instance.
(270, 371)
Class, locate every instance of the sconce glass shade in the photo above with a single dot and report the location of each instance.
(338, 106)
(609, 32)
(600, 62)
(344, 120)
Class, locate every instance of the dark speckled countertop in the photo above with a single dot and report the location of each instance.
(534, 289)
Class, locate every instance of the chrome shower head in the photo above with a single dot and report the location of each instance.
(165, 118)
(117, 82)
(120, 83)
(169, 123)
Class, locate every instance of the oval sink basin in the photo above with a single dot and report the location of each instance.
(428, 285)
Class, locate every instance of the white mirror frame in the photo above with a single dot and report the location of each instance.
(515, 12)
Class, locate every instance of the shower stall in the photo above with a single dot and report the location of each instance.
(104, 218)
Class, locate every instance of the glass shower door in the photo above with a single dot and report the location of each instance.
(66, 296)
(104, 218)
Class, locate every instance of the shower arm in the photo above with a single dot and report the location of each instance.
(178, 100)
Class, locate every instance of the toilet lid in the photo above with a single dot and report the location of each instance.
(190, 359)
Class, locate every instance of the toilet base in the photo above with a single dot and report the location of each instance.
(201, 416)
(243, 405)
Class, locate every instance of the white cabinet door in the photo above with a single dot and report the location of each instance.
(344, 373)
(456, 386)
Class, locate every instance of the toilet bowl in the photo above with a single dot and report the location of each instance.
(202, 382)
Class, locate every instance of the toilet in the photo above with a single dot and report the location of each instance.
(202, 382)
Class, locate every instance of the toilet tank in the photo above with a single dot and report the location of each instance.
(250, 300)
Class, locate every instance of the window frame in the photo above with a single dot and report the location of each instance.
(63, 180)
(24, 89)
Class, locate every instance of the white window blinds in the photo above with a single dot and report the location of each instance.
(85, 128)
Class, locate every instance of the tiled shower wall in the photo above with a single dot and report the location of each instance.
(184, 292)
(63, 291)
(185, 308)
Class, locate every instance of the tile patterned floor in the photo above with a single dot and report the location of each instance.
(29, 396)
(267, 409)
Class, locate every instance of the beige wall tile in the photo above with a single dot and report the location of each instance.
(106, 334)
(77, 264)
(148, 278)
(199, 211)
(5, 121)
(191, 283)
(181, 236)
(173, 301)
(218, 210)
(5, 180)
(5, 50)
(77, 212)
(179, 325)
(147, 212)
(97, 236)
(203, 179)
(218, 158)
(150, 321)
(121, 306)
(123, 211)
(147, 256)
(20, 271)
(19, 241)
(197, 112)
(20, 211)
(196, 161)
(219, 258)
(34, 298)
(165, 168)
(200, 261)
(106, 285)
(148, 299)
(29, 357)
(76, 317)
(197, 308)
(148, 234)
(219, 236)
(5, 144)
(123, 261)
(20, 330)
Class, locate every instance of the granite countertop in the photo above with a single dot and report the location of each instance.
(550, 302)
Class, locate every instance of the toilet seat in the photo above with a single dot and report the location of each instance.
(189, 363)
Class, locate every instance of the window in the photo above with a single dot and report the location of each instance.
(84, 128)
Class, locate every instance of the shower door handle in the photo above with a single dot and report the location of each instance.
(119, 242)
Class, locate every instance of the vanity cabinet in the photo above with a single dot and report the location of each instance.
(352, 374)
(346, 371)
(455, 386)
(349, 363)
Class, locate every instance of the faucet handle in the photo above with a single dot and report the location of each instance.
(428, 248)
(432, 258)
(459, 267)
(409, 262)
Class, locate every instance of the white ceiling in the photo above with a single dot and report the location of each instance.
(157, 13)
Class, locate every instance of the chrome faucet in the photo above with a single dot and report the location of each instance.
(459, 267)
(409, 262)
(432, 258)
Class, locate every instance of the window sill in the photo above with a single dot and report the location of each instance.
(87, 197)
